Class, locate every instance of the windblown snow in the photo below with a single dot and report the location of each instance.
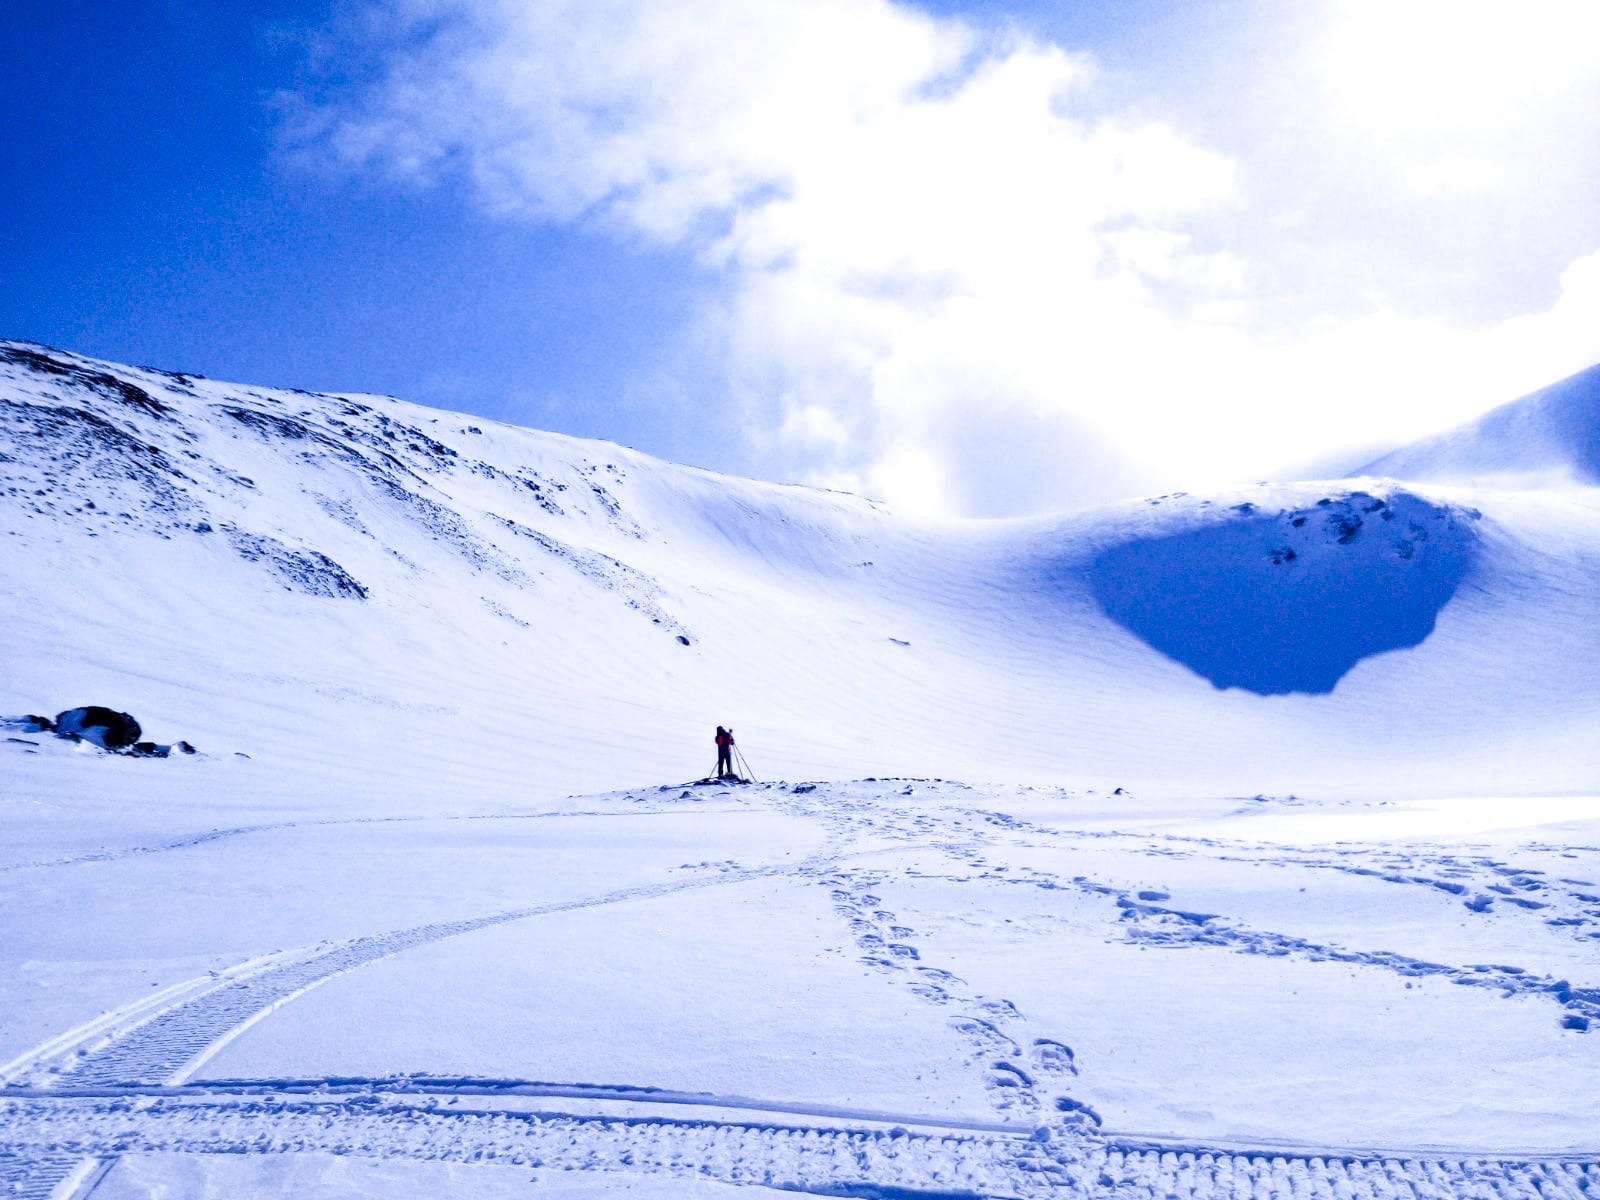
(1272, 865)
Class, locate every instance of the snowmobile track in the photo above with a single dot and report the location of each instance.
(49, 1132)
(122, 1092)
(26, 1176)
(173, 1043)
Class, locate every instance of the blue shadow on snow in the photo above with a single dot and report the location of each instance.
(1292, 601)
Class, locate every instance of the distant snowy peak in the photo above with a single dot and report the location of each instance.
(1549, 437)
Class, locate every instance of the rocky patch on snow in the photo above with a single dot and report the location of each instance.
(286, 477)
(94, 725)
(308, 571)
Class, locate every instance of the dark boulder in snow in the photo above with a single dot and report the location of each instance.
(155, 750)
(105, 727)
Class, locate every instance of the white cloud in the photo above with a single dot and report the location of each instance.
(953, 280)
(1447, 69)
(1164, 255)
(1457, 173)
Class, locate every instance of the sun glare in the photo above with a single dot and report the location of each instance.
(1446, 67)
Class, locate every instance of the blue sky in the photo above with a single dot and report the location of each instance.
(986, 258)
(152, 217)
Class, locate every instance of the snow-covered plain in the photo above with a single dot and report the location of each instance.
(1223, 845)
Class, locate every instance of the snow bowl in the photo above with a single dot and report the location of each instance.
(1292, 601)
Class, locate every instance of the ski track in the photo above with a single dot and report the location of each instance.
(1169, 927)
(116, 853)
(124, 1091)
(168, 1044)
(176, 1041)
(1481, 880)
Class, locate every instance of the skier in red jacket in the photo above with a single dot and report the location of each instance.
(724, 752)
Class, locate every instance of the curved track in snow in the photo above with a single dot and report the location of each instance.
(205, 837)
(165, 1046)
(171, 1044)
(121, 1085)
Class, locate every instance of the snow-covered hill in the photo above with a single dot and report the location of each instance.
(388, 598)
(1168, 925)
(1550, 438)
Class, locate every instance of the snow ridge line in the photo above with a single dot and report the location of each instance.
(832, 1160)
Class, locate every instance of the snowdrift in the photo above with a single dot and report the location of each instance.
(372, 598)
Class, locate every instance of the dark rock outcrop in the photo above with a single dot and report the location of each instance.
(32, 723)
(105, 727)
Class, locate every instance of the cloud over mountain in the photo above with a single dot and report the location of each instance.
(939, 251)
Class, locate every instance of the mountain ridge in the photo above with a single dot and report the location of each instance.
(369, 593)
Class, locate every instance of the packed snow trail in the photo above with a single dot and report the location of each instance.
(821, 1159)
(171, 1044)
(177, 1041)
(206, 837)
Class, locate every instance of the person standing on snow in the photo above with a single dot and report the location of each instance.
(724, 752)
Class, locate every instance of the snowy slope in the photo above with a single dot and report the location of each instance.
(387, 598)
(431, 914)
(1548, 438)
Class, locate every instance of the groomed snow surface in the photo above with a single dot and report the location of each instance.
(1274, 869)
